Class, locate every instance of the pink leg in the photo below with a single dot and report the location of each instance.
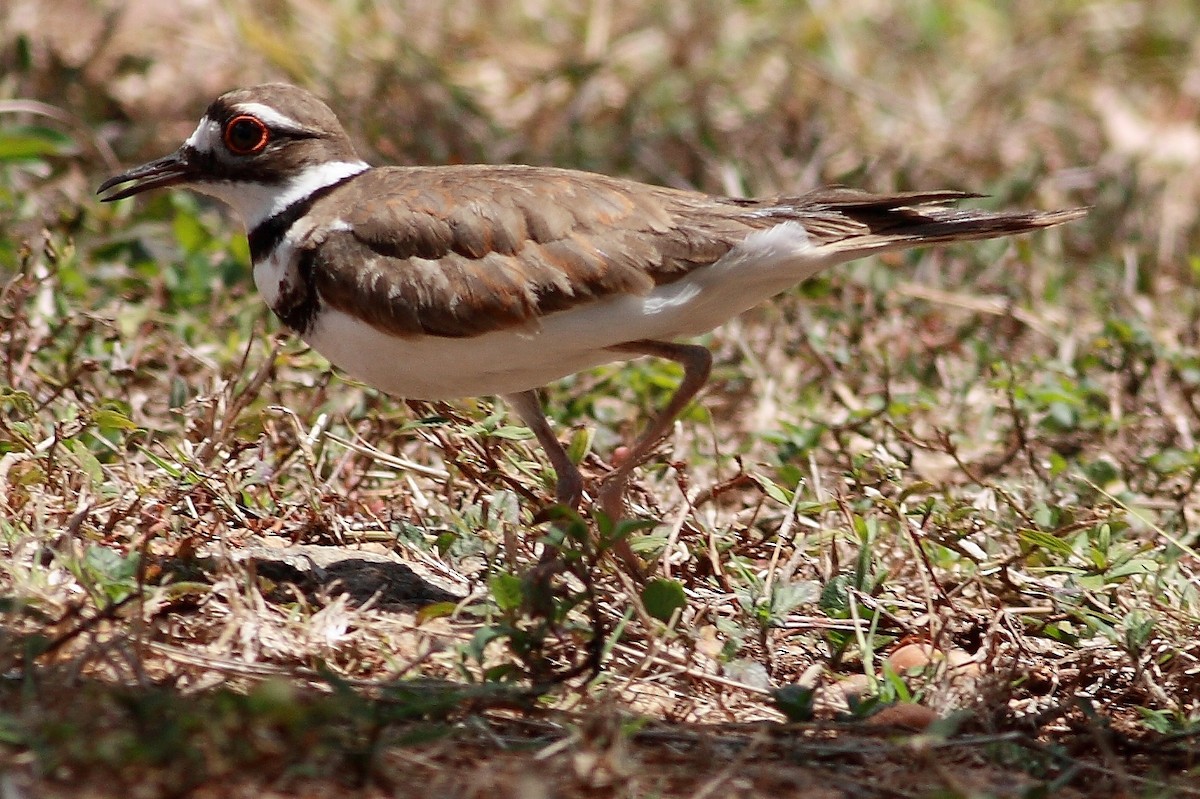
(697, 364)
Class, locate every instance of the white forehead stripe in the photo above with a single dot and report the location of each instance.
(205, 137)
(268, 115)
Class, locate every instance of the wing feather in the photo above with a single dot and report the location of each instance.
(461, 251)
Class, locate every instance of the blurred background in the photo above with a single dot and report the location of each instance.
(1046, 102)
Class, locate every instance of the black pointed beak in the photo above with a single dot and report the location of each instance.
(170, 170)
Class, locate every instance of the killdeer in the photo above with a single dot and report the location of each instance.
(442, 282)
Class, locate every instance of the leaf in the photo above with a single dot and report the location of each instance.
(773, 490)
(512, 433)
(1042, 540)
(20, 401)
(579, 444)
(663, 597)
(172, 469)
(795, 702)
(25, 143)
(26, 474)
(484, 636)
(437, 610)
(87, 461)
(787, 596)
(109, 564)
(109, 419)
(610, 534)
(1063, 415)
(507, 590)
(834, 600)
(1138, 627)
(115, 574)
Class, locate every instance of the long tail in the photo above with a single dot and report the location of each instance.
(857, 223)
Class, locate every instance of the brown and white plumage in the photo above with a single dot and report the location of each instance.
(461, 251)
(440, 282)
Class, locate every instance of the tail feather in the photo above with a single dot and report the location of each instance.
(857, 223)
(944, 225)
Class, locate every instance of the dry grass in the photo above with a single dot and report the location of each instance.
(227, 571)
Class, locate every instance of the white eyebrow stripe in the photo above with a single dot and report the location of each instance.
(268, 116)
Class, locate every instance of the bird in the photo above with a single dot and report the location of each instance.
(443, 282)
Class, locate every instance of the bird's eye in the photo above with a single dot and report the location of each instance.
(245, 135)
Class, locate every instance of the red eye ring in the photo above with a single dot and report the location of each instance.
(245, 135)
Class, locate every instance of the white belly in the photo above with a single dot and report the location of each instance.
(435, 368)
(507, 361)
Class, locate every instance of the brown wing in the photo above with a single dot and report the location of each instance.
(459, 251)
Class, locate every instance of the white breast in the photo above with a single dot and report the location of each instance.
(272, 272)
